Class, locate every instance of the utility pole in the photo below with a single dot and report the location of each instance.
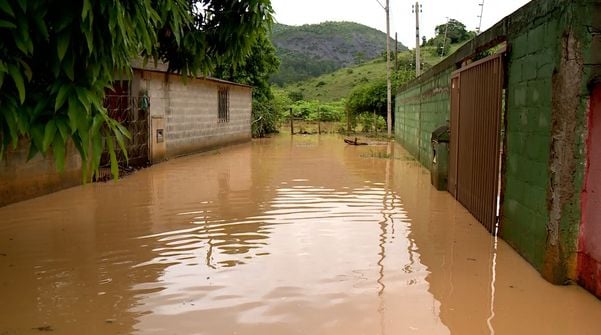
(388, 84)
(444, 42)
(417, 8)
(480, 17)
(396, 52)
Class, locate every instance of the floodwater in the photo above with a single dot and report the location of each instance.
(290, 235)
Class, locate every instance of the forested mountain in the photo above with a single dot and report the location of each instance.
(314, 49)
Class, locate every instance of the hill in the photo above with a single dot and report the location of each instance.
(337, 85)
(314, 49)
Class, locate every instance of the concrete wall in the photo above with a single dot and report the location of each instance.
(551, 63)
(189, 109)
(530, 63)
(21, 180)
(419, 110)
(549, 71)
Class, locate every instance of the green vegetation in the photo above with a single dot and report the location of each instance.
(339, 84)
(359, 91)
(452, 32)
(315, 110)
(430, 57)
(255, 70)
(311, 50)
(57, 58)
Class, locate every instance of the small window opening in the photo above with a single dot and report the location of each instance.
(224, 104)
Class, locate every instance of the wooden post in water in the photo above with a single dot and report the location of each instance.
(375, 123)
(318, 120)
(291, 122)
(348, 121)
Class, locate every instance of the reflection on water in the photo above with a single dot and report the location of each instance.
(282, 236)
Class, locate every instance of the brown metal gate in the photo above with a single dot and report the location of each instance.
(476, 103)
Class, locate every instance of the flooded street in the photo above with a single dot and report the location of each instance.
(289, 235)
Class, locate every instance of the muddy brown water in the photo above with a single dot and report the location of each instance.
(301, 235)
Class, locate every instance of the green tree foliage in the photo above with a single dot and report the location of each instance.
(442, 46)
(255, 70)
(296, 96)
(370, 97)
(57, 57)
(315, 110)
(370, 122)
(455, 31)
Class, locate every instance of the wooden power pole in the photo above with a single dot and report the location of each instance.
(396, 52)
(417, 9)
(388, 84)
(480, 17)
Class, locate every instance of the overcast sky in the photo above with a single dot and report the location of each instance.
(402, 21)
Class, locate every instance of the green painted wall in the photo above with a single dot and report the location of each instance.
(546, 112)
(419, 110)
(530, 67)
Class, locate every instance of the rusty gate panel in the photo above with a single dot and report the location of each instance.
(475, 128)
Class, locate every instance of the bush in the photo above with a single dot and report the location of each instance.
(314, 110)
(265, 118)
(367, 120)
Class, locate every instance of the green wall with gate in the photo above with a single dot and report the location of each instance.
(419, 110)
(548, 76)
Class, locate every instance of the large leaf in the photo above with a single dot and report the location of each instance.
(58, 149)
(18, 80)
(114, 164)
(86, 9)
(49, 133)
(78, 119)
(7, 24)
(61, 96)
(63, 128)
(62, 43)
(6, 8)
(37, 136)
(41, 25)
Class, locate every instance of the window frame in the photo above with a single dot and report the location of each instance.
(223, 104)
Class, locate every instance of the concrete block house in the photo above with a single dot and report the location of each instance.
(167, 115)
(189, 115)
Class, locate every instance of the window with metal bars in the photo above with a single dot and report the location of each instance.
(224, 104)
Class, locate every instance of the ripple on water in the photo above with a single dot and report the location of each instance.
(298, 250)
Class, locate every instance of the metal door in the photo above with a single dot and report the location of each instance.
(476, 103)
